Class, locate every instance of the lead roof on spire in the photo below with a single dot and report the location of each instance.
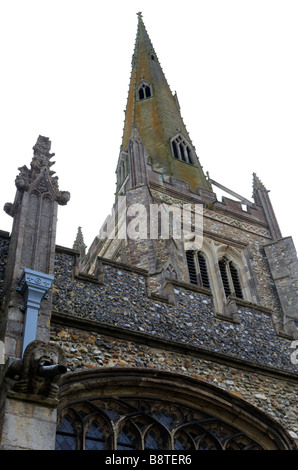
(153, 109)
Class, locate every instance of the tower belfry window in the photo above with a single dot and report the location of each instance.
(197, 268)
(182, 150)
(144, 91)
(230, 278)
(235, 280)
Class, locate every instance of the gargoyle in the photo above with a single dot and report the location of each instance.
(39, 370)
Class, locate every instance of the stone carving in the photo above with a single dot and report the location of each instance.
(79, 244)
(39, 370)
(39, 178)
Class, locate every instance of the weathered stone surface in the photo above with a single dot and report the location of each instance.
(123, 302)
(28, 426)
(85, 349)
(283, 263)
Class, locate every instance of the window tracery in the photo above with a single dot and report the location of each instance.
(182, 150)
(144, 91)
(137, 424)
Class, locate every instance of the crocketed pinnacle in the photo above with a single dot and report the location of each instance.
(79, 244)
(257, 183)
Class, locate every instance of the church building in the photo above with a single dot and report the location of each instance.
(177, 329)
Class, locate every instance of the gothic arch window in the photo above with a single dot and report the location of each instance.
(197, 268)
(83, 428)
(144, 91)
(155, 439)
(182, 149)
(112, 412)
(183, 441)
(230, 278)
(160, 425)
(128, 436)
(95, 437)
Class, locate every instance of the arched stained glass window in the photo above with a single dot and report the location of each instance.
(155, 439)
(152, 409)
(158, 425)
(183, 441)
(128, 437)
(94, 439)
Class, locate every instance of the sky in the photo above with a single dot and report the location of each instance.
(65, 70)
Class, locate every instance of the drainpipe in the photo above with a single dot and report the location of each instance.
(33, 286)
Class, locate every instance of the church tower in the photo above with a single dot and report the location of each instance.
(167, 218)
(176, 330)
(157, 161)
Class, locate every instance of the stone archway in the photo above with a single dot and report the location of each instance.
(139, 409)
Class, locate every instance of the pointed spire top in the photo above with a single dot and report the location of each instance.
(142, 35)
(258, 189)
(257, 183)
(153, 110)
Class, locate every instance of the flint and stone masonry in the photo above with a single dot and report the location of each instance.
(142, 343)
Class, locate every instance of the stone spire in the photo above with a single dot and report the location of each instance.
(154, 111)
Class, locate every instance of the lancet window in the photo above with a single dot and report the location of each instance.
(230, 278)
(197, 268)
(144, 91)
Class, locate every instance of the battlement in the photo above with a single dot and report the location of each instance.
(252, 212)
(177, 191)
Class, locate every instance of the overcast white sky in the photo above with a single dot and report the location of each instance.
(65, 70)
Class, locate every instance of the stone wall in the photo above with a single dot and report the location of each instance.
(90, 350)
(283, 263)
(122, 301)
(4, 245)
(28, 426)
